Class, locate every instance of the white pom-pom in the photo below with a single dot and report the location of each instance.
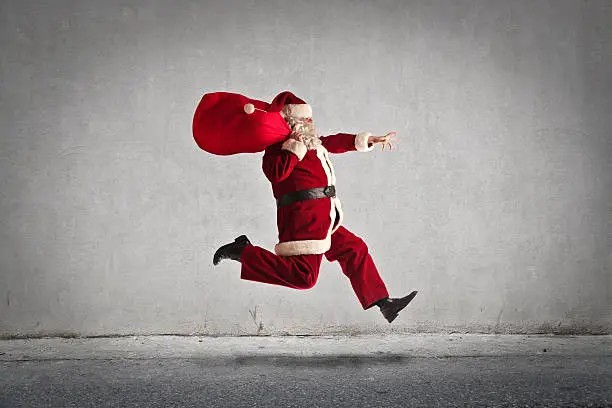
(249, 108)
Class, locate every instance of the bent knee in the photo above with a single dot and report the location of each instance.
(307, 282)
(305, 273)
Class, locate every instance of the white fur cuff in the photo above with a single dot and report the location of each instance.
(296, 147)
(361, 142)
(306, 247)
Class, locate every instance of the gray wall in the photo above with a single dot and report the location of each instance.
(495, 204)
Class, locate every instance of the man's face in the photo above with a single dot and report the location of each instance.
(307, 129)
(307, 126)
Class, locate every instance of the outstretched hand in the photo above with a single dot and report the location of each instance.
(384, 140)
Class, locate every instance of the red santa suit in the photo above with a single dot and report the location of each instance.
(309, 229)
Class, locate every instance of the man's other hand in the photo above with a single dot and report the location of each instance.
(384, 140)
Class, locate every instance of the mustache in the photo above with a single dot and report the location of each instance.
(308, 131)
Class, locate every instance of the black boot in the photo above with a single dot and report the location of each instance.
(232, 250)
(391, 307)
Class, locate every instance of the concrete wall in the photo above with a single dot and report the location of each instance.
(495, 204)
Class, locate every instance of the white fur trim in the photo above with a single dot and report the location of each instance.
(361, 142)
(312, 246)
(323, 156)
(296, 147)
(326, 164)
(302, 110)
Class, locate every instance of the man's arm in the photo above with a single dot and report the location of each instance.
(280, 160)
(345, 142)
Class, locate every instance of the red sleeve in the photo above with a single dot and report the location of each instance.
(344, 142)
(279, 160)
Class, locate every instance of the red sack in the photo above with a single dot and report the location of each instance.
(228, 123)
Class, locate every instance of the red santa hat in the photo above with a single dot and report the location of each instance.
(290, 105)
(227, 123)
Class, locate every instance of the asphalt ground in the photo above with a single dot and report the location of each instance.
(367, 371)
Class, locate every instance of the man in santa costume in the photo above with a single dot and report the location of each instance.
(309, 213)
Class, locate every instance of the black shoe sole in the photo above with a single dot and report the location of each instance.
(403, 303)
(217, 258)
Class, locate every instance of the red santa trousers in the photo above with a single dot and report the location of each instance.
(302, 271)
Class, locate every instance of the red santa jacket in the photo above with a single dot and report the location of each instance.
(305, 227)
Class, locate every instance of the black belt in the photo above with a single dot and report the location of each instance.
(303, 195)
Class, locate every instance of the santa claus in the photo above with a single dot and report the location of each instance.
(309, 213)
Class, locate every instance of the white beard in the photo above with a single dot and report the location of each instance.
(307, 130)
